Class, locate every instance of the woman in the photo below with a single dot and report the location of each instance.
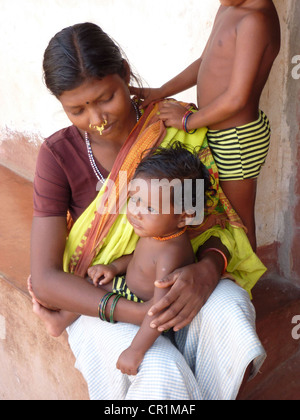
(85, 70)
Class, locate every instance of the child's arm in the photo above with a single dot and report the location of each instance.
(251, 44)
(103, 274)
(183, 81)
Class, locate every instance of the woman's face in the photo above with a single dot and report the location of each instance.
(96, 101)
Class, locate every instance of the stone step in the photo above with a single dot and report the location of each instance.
(277, 302)
(283, 383)
(33, 366)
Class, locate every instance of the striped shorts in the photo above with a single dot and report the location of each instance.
(241, 152)
(120, 288)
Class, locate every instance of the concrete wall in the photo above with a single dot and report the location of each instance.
(160, 39)
(289, 251)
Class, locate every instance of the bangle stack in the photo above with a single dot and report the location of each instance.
(219, 252)
(102, 307)
(185, 120)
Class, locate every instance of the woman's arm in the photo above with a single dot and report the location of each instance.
(191, 287)
(56, 289)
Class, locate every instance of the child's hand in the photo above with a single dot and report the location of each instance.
(147, 94)
(129, 361)
(172, 114)
(102, 274)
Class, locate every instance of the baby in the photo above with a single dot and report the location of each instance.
(165, 180)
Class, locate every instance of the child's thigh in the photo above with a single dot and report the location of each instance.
(242, 196)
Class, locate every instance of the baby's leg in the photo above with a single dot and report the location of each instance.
(242, 196)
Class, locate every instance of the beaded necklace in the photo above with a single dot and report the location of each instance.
(94, 166)
(168, 238)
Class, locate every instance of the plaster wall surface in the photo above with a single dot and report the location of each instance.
(160, 39)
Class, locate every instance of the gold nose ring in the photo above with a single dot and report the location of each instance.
(99, 129)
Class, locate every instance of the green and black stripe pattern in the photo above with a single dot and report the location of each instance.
(241, 152)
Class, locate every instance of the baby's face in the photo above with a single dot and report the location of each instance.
(150, 210)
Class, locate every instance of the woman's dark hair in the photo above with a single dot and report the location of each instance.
(175, 162)
(80, 52)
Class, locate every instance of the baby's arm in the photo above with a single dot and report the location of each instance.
(102, 274)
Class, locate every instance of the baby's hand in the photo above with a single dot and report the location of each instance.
(102, 274)
(129, 361)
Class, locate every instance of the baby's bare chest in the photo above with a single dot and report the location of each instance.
(141, 273)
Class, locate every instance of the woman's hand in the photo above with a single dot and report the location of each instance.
(191, 288)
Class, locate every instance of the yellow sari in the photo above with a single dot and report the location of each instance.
(101, 237)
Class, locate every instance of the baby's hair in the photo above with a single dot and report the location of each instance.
(175, 162)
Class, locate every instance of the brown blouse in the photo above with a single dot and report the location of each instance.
(64, 179)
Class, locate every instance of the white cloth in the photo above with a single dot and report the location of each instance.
(210, 362)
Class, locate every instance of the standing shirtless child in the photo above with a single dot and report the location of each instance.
(230, 76)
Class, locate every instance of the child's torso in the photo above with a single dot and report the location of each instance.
(218, 60)
(141, 272)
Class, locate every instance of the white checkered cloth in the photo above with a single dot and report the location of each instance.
(210, 362)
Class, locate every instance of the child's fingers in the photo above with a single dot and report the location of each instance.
(106, 279)
(95, 273)
(91, 271)
(95, 282)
